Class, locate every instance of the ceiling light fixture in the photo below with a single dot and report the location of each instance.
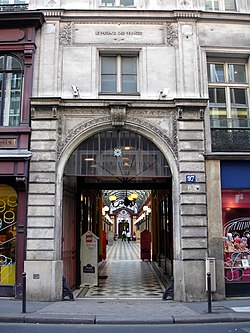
(128, 201)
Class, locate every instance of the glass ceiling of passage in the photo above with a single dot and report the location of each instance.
(118, 153)
(142, 197)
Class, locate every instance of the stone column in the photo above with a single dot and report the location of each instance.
(43, 265)
(215, 228)
(193, 221)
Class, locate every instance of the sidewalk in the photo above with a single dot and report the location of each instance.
(124, 311)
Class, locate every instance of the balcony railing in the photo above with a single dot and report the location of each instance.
(13, 8)
(230, 135)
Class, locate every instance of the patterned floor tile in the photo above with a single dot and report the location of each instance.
(125, 275)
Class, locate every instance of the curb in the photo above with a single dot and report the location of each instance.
(110, 320)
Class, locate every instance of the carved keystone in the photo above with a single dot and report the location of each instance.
(118, 115)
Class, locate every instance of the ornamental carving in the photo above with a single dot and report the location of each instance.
(118, 115)
(156, 131)
(52, 3)
(106, 121)
(185, 4)
(80, 129)
(65, 35)
(171, 34)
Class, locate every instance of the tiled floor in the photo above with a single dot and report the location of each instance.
(124, 275)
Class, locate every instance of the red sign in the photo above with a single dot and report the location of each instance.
(103, 245)
(145, 245)
(88, 238)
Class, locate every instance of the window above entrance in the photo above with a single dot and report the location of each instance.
(121, 154)
(118, 74)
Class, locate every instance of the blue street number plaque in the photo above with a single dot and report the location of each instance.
(190, 179)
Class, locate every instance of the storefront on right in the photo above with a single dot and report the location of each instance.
(235, 185)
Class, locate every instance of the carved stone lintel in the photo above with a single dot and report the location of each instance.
(118, 115)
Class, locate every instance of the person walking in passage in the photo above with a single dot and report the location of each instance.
(124, 236)
(128, 236)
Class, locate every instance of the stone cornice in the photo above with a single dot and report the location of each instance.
(142, 16)
(58, 102)
(22, 19)
(228, 156)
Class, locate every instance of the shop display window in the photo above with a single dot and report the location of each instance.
(8, 213)
(236, 227)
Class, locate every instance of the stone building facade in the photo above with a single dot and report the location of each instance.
(171, 42)
(18, 27)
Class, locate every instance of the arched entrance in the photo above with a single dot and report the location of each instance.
(113, 181)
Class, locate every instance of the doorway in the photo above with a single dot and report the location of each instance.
(115, 181)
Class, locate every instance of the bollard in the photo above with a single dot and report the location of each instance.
(209, 293)
(24, 293)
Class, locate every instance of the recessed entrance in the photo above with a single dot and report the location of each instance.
(115, 183)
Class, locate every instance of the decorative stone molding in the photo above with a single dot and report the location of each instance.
(65, 35)
(130, 121)
(185, 4)
(54, 112)
(33, 112)
(59, 130)
(52, 3)
(80, 129)
(21, 183)
(171, 34)
(28, 53)
(53, 13)
(156, 131)
(202, 111)
(118, 114)
(180, 110)
(186, 14)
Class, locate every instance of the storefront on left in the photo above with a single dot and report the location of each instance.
(18, 28)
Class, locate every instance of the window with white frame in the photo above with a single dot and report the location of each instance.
(228, 94)
(227, 5)
(117, 3)
(11, 77)
(119, 73)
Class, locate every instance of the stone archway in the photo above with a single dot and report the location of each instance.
(149, 131)
(56, 133)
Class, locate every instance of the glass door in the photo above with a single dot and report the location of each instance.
(8, 214)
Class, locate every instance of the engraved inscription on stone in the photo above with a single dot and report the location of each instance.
(89, 33)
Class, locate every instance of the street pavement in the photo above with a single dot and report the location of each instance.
(124, 311)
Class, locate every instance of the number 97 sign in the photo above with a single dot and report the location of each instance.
(190, 178)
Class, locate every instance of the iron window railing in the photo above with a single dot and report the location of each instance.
(13, 8)
(230, 135)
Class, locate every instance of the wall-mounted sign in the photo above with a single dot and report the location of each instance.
(8, 143)
(88, 238)
(89, 259)
(190, 179)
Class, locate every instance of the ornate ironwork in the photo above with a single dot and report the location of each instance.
(230, 139)
(13, 8)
